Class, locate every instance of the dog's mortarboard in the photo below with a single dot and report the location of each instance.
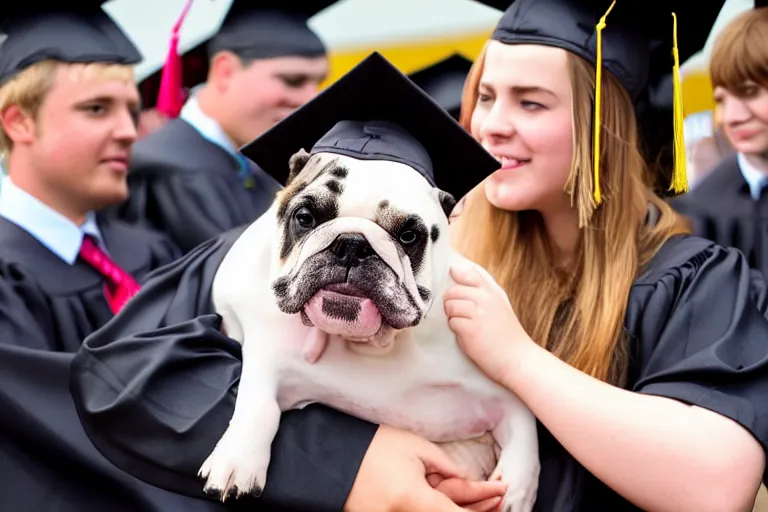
(635, 41)
(82, 32)
(444, 81)
(375, 112)
(269, 28)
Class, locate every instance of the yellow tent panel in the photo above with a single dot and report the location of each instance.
(411, 55)
(697, 92)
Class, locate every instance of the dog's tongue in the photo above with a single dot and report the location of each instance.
(344, 315)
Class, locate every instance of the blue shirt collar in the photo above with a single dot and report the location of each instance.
(53, 230)
(206, 125)
(755, 178)
(211, 130)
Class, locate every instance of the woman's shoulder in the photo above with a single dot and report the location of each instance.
(675, 254)
(692, 284)
(686, 259)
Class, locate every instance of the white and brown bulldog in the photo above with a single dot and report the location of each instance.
(336, 295)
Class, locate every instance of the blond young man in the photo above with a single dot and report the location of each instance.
(68, 108)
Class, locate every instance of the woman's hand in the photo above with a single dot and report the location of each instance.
(487, 328)
(403, 472)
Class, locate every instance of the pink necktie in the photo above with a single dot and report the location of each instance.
(120, 286)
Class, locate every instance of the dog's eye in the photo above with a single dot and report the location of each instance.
(408, 237)
(304, 218)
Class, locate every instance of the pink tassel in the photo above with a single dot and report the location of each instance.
(170, 99)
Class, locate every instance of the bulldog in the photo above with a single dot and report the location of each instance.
(336, 297)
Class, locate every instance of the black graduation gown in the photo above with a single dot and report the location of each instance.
(722, 209)
(67, 302)
(47, 463)
(696, 335)
(190, 188)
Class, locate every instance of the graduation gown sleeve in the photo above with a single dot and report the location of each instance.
(156, 388)
(24, 312)
(702, 335)
(186, 186)
(47, 462)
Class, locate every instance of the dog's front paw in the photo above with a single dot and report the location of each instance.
(235, 468)
(519, 500)
(523, 480)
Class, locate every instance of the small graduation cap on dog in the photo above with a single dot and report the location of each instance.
(80, 33)
(375, 112)
(635, 41)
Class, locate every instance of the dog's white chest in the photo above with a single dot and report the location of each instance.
(430, 390)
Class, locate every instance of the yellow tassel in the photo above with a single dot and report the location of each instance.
(679, 176)
(598, 87)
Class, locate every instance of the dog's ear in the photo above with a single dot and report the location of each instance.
(296, 164)
(447, 201)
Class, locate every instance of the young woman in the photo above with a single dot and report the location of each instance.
(641, 350)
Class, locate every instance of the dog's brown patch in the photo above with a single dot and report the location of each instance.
(285, 196)
(309, 190)
(313, 168)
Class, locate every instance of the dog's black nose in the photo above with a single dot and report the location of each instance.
(351, 249)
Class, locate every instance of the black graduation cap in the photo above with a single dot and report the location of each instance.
(252, 29)
(444, 81)
(376, 112)
(82, 32)
(262, 29)
(637, 42)
(633, 32)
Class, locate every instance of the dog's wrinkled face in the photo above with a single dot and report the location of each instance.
(363, 245)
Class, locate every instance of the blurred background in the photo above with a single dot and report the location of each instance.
(352, 29)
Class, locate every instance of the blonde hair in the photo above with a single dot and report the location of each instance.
(28, 88)
(739, 54)
(578, 314)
